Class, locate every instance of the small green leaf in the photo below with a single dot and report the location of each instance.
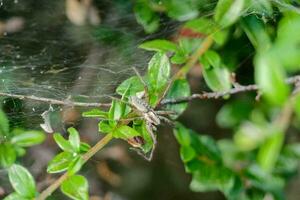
(204, 146)
(158, 71)
(270, 77)
(16, 196)
(95, 113)
(28, 138)
(20, 151)
(75, 187)
(125, 132)
(187, 153)
(228, 11)
(74, 139)
(286, 48)
(84, 147)
(260, 7)
(269, 151)
(62, 142)
(116, 111)
(181, 10)
(207, 27)
(4, 124)
(182, 135)
(250, 135)
(180, 88)
(210, 178)
(216, 76)
(159, 45)
(132, 84)
(60, 162)
(105, 127)
(22, 181)
(7, 155)
(256, 32)
(233, 113)
(146, 17)
(76, 165)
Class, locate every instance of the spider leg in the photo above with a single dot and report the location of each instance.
(149, 128)
(138, 151)
(165, 112)
(143, 82)
(165, 119)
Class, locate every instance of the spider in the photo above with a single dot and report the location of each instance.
(152, 117)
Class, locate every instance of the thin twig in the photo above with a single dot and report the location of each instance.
(54, 101)
(48, 191)
(216, 95)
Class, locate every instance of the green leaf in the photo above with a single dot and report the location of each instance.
(146, 17)
(204, 146)
(105, 127)
(250, 135)
(20, 151)
(256, 32)
(125, 132)
(22, 181)
(286, 49)
(182, 135)
(75, 187)
(233, 113)
(74, 139)
(15, 196)
(203, 159)
(181, 10)
(187, 153)
(269, 152)
(216, 76)
(28, 138)
(76, 165)
(84, 147)
(116, 111)
(95, 113)
(132, 84)
(265, 181)
(7, 155)
(228, 11)
(60, 162)
(210, 178)
(62, 142)
(159, 45)
(158, 71)
(260, 7)
(180, 88)
(270, 78)
(207, 27)
(4, 124)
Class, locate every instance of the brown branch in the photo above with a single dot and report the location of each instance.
(54, 101)
(216, 95)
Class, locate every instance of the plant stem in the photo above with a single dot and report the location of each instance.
(99, 145)
(205, 45)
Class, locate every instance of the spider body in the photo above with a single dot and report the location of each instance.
(145, 110)
(151, 117)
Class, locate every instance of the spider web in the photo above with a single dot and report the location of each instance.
(52, 58)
